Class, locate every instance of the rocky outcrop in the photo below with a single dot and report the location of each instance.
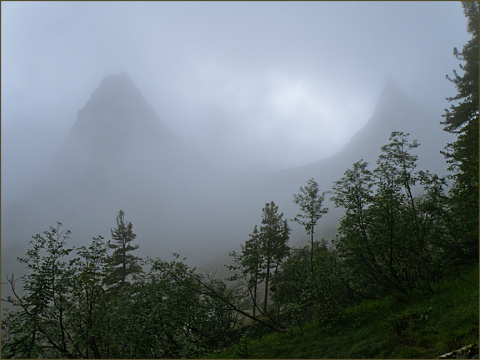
(466, 352)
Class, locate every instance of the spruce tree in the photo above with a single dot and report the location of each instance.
(122, 261)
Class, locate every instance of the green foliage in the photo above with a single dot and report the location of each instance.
(392, 248)
(462, 119)
(310, 201)
(90, 302)
(391, 242)
(123, 263)
(274, 236)
(66, 309)
(90, 315)
(261, 258)
(249, 267)
(386, 328)
(164, 314)
(39, 326)
(240, 349)
(305, 298)
(467, 83)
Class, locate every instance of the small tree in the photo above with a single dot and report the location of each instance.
(122, 261)
(92, 311)
(253, 264)
(389, 240)
(274, 238)
(250, 265)
(38, 324)
(310, 201)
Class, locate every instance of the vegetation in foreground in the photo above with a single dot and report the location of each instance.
(413, 257)
(427, 327)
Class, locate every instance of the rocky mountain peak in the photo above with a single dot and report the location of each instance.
(116, 87)
(390, 86)
(116, 99)
(116, 126)
(392, 99)
(118, 114)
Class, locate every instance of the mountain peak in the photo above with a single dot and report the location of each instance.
(392, 102)
(391, 91)
(116, 100)
(395, 111)
(117, 79)
(117, 116)
(114, 89)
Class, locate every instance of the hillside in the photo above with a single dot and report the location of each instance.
(390, 243)
(428, 327)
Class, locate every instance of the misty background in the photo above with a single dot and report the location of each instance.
(241, 102)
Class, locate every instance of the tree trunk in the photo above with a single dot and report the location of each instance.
(267, 278)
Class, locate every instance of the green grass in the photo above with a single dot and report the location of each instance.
(427, 327)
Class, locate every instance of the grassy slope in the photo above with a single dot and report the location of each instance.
(426, 328)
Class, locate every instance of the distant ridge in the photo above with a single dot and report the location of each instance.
(120, 155)
(395, 111)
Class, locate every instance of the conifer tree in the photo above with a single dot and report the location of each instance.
(462, 119)
(122, 261)
(274, 238)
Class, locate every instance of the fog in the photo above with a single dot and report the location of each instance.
(222, 107)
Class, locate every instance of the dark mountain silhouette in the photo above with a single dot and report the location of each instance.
(117, 115)
(120, 155)
(116, 130)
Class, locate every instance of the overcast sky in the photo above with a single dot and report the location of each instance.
(272, 84)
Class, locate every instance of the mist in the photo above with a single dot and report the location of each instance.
(191, 116)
